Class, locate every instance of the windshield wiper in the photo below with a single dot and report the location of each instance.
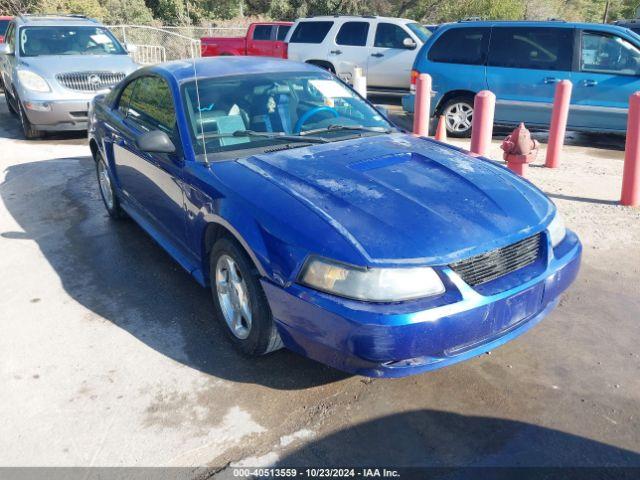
(336, 127)
(275, 135)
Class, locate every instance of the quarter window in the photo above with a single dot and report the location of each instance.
(125, 98)
(353, 34)
(603, 53)
(389, 35)
(310, 32)
(532, 48)
(10, 38)
(151, 105)
(262, 32)
(466, 46)
(282, 32)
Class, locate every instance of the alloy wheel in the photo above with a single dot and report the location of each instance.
(233, 296)
(458, 117)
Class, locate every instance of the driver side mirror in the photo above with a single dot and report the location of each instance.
(409, 44)
(155, 141)
(5, 49)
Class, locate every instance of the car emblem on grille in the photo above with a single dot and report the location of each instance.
(94, 80)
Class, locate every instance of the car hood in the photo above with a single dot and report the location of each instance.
(49, 66)
(403, 199)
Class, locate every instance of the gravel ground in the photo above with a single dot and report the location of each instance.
(109, 355)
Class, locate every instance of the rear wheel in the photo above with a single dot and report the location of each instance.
(458, 116)
(239, 300)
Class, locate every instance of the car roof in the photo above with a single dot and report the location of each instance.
(183, 70)
(51, 20)
(357, 17)
(529, 23)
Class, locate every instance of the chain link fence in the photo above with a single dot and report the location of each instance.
(155, 45)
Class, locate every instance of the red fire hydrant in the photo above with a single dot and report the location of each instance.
(519, 150)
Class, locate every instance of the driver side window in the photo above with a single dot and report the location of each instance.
(125, 98)
(389, 35)
(604, 53)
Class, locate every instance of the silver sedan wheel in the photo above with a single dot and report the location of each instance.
(459, 117)
(233, 296)
(105, 184)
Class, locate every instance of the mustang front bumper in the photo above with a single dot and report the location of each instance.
(394, 340)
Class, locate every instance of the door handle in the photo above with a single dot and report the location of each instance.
(549, 80)
(336, 52)
(589, 83)
(377, 55)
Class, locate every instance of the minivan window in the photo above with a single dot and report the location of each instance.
(466, 46)
(353, 33)
(262, 32)
(531, 48)
(151, 105)
(282, 32)
(310, 32)
(605, 53)
(389, 35)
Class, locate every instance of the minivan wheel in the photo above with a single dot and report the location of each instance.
(239, 300)
(30, 133)
(458, 116)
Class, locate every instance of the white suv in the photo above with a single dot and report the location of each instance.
(384, 48)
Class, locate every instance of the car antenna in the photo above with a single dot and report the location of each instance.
(204, 145)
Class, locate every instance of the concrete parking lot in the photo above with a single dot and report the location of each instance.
(109, 355)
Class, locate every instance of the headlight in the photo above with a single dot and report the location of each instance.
(33, 81)
(557, 230)
(371, 284)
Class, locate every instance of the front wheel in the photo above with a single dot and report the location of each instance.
(239, 301)
(29, 131)
(458, 116)
(107, 191)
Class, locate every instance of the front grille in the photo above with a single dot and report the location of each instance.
(89, 81)
(491, 265)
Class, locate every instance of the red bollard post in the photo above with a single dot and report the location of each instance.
(630, 195)
(558, 128)
(441, 130)
(422, 106)
(484, 107)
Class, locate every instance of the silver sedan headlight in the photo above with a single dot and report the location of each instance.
(370, 284)
(557, 230)
(32, 81)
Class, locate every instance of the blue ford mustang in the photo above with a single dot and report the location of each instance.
(321, 227)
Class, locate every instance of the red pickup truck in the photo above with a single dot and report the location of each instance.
(264, 39)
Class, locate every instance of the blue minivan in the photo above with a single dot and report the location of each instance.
(521, 63)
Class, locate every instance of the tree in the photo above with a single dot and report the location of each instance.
(132, 12)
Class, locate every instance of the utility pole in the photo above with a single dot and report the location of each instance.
(605, 17)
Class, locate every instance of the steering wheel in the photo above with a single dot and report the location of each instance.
(314, 111)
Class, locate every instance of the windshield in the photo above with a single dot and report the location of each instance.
(3, 27)
(422, 32)
(68, 40)
(226, 113)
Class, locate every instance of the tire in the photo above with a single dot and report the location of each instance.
(239, 300)
(107, 192)
(28, 130)
(12, 110)
(458, 115)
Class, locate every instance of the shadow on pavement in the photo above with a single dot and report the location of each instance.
(117, 271)
(572, 198)
(442, 439)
